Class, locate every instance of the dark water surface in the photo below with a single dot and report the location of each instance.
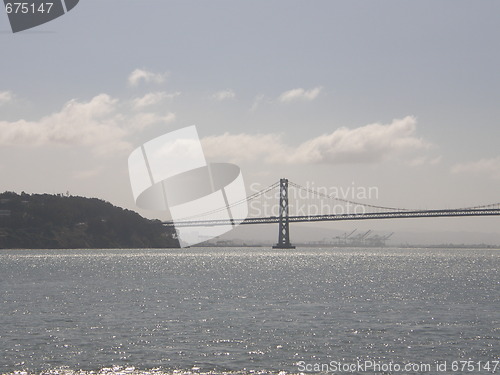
(246, 310)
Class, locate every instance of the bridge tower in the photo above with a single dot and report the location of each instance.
(284, 232)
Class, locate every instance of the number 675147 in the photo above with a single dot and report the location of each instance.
(25, 8)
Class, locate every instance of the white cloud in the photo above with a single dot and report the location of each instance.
(86, 174)
(100, 124)
(6, 97)
(145, 119)
(366, 144)
(425, 160)
(152, 99)
(239, 147)
(256, 102)
(369, 143)
(490, 167)
(94, 123)
(436, 160)
(224, 95)
(139, 75)
(299, 94)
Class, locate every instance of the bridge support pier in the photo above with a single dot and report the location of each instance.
(284, 232)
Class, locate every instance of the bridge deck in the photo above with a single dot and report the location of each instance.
(361, 216)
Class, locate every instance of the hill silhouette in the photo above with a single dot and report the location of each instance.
(40, 221)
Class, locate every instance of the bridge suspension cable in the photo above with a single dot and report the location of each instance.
(484, 206)
(241, 201)
(331, 196)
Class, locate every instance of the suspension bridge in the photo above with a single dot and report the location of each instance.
(355, 211)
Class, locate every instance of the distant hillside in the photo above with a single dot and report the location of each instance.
(37, 221)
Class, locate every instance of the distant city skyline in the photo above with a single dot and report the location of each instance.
(397, 96)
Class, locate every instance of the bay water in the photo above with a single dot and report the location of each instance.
(249, 310)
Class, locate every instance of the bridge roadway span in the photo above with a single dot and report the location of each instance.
(361, 216)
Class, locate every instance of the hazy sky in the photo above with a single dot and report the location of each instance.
(401, 95)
